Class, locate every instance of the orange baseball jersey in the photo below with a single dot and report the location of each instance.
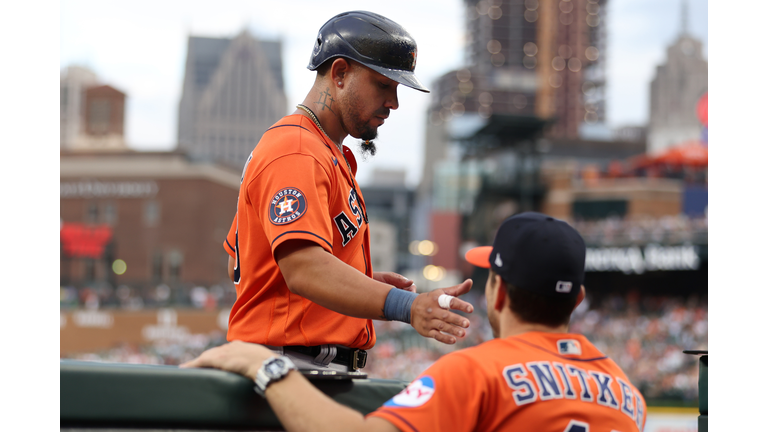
(536, 381)
(295, 185)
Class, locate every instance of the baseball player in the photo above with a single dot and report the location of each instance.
(299, 243)
(535, 376)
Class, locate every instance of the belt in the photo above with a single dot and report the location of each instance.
(353, 358)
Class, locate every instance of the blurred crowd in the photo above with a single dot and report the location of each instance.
(645, 335)
(616, 231)
(163, 352)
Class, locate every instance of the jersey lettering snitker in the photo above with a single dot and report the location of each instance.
(535, 381)
(295, 185)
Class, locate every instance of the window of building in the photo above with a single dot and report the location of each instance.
(175, 259)
(90, 270)
(92, 213)
(109, 215)
(98, 116)
(157, 266)
(151, 213)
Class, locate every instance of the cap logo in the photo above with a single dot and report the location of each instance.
(563, 286)
(498, 261)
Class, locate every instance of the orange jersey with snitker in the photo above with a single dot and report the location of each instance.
(295, 185)
(535, 381)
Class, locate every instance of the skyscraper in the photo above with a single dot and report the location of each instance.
(540, 59)
(233, 91)
(677, 87)
(533, 68)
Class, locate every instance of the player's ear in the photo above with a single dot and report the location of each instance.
(339, 69)
(580, 298)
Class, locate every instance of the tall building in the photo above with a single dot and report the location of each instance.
(92, 114)
(675, 90)
(233, 91)
(533, 69)
(540, 59)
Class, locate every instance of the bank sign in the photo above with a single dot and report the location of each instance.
(639, 260)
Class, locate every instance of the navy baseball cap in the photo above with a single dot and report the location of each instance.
(537, 253)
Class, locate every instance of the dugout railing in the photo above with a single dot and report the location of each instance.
(110, 396)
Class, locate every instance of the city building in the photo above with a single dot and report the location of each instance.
(92, 115)
(142, 219)
(233, 91)
(534, 70)
(388, 202)
(678, 85)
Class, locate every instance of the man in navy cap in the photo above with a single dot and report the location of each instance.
(534, 376)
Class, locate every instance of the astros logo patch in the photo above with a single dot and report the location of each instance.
(416, 394)
(287, 205)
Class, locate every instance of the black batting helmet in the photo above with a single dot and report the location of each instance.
(371, 39)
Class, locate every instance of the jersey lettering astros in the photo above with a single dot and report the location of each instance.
(543, 382)
(295, 185)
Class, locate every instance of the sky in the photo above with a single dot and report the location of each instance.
(139, 47)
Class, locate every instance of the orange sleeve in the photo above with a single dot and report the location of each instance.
(291, 198)
(231, 240)
(447, 396)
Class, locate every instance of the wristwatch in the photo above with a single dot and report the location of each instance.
(273, 369)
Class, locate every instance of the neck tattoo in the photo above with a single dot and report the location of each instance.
(317, 123)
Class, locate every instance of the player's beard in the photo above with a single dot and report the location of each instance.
(352, 116)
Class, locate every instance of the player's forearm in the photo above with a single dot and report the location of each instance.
(318, 276)
(312, 411)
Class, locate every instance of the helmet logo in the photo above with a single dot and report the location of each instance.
(318, 44)
(413, 63)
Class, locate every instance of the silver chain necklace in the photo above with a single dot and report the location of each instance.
(317, 123)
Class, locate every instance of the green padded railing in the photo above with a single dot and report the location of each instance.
(703, 388)
(102, 395)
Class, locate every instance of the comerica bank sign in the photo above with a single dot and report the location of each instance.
(636, 260)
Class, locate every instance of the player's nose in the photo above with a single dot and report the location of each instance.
(392, 102)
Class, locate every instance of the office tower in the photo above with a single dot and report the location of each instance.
(233, 91)
(534, 59)
(678, 85)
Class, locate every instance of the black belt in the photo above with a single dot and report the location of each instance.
(353, 358)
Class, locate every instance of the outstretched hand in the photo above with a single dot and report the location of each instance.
(396, 280)
(430, 320)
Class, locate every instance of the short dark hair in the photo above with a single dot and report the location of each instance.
(536, 308)
(325, 67)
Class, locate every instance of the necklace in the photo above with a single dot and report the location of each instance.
(317, 123)
(358, 198)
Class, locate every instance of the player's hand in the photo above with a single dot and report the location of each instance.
(432, 321)
(396, 280)
(238, 357)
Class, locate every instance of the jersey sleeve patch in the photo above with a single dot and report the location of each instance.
(416, 394)
(286, 206)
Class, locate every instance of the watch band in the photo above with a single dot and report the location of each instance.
(272, 370)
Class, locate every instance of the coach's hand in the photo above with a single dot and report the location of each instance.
(430, 320)
(237, 356)
(396, 280)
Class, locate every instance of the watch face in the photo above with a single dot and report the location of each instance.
(274, 368)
